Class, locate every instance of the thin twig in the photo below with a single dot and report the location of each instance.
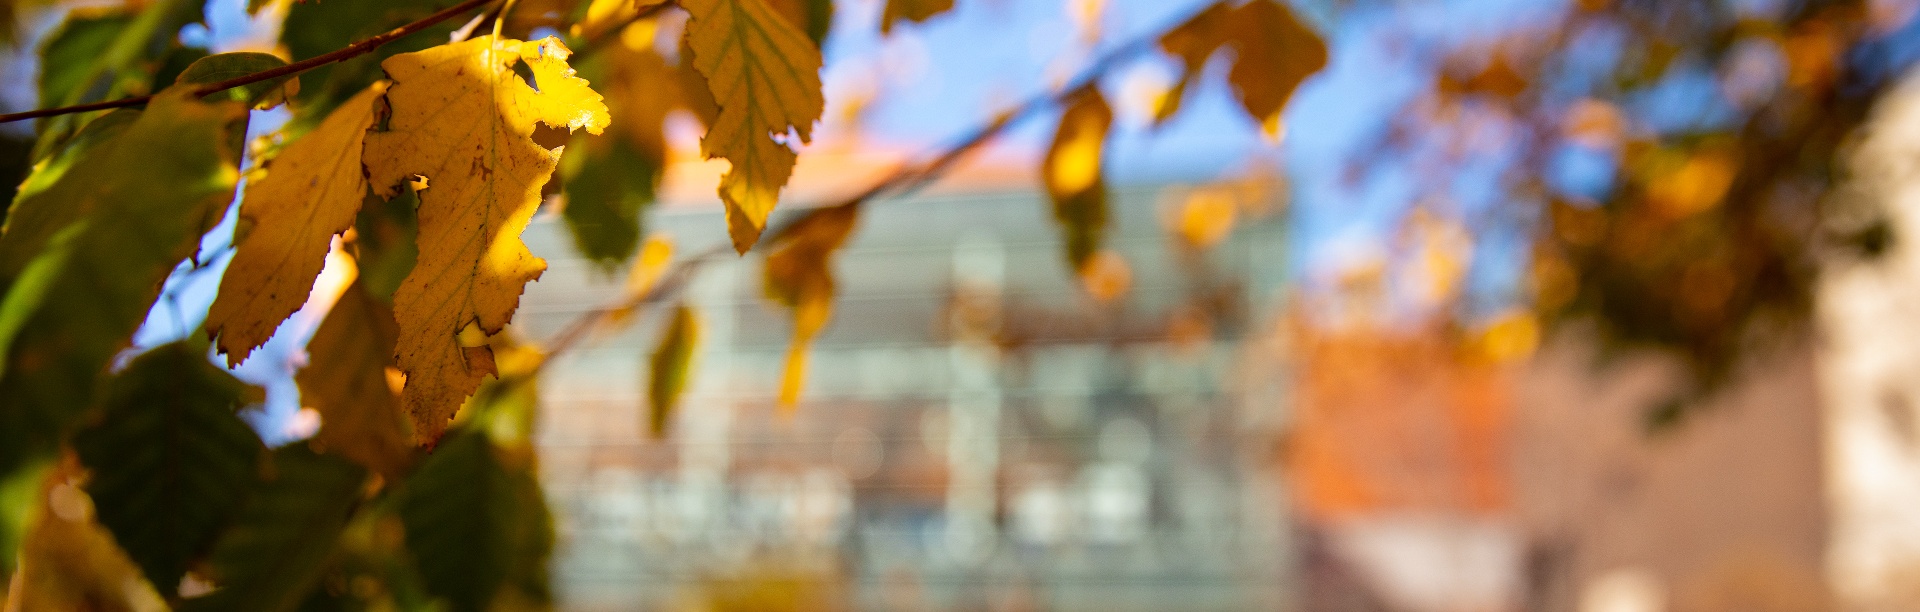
(904, 180)
(344, 53)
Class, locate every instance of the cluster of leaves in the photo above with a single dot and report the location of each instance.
(1719, 123)
(415, 165)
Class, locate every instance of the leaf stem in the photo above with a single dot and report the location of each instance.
(344, 53)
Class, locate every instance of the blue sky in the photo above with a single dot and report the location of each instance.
(987, 52)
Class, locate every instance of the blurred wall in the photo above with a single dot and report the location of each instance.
(1869, 315)
(1722, 510)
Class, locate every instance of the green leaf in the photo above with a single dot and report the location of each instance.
(67, 58)
(170, 460)
(1074, 176)
(122, 66)
(477, 524)
(20, 499)
(609, 184)
(84, 252)
(216, 68)
(49, 172)
(287, 535)
(670, 365)
(176, 62)
(384, 242)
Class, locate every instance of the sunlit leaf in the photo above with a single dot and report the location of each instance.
(671, 366)
(285, 536)
(346, 381)
(764, 74)
(463, 119)
(311, 192)
(916, 11)
(171, 462)
(67, 57)
(84, 252)
(1072, 171)
(799, 276)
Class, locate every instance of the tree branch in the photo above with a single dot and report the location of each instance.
(904, 180)
(344, 53)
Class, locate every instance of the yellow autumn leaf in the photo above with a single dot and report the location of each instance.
(799, 276)
(1274, 52)
(464, 120)
(765, 75)
(1072, 174)
(1074, 164)
(1515, 334)
(649, 266)
(916, 11)
(1206, 217)
(1683, 189)
(311, 192)
(345, 380)
(1192, 42)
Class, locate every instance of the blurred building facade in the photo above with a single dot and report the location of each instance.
(979, 433)
(976, 433)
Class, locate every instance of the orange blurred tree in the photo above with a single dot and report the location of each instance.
(1719, 124)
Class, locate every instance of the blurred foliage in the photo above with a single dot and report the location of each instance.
(1720, 122)
(88, 242)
